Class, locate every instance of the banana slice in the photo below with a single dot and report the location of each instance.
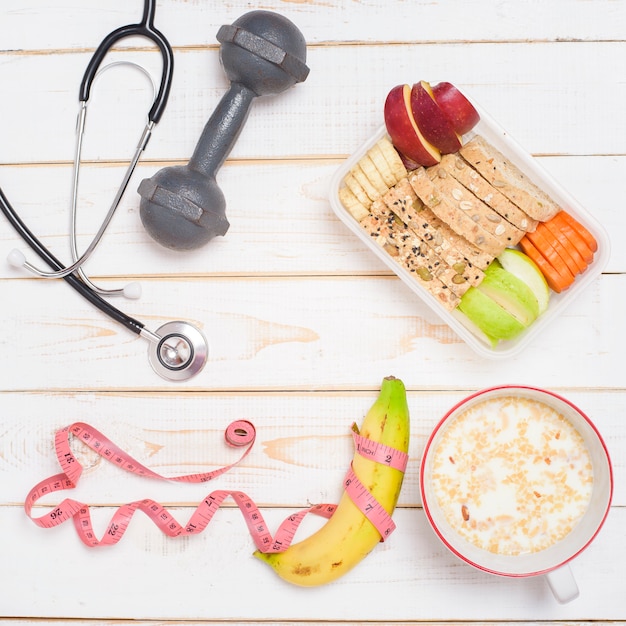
(363, 180)
(378, 158)
(392, 157)
(373, 175)
(355, 187)
(352, 204)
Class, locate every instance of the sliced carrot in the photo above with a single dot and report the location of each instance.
(560, 220)
(555, 280)
(564, 247)
(579, 265)
(544, 245)
(577, 241)
(588, 238)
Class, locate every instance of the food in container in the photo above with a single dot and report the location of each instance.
(451, 259)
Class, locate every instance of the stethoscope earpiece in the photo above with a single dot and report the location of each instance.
(16, 258)
(132, 291)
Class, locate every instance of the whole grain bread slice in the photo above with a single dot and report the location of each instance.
(480, 212)
(454, 250)
(464, 173)
(418, 253)
(508, 179)
(403, 200)
(394, 238)
(450, 213)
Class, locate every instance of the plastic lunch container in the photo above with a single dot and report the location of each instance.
(501, 140)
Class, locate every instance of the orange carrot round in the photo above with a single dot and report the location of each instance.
(560, 220)
(545, 247)
(588, 238)
(564, 247)
(555, 280)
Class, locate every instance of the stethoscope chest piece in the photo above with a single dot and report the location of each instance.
(180, 352)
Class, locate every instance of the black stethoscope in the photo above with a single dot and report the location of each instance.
(178, 350)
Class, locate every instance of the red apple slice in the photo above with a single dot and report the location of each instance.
(459, 110)
(404, 131)
(432, 120)
(410, 164)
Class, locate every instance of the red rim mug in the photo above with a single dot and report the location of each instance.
(553, 561)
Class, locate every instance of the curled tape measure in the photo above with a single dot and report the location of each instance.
(240, 433)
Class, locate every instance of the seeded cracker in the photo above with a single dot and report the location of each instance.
(508, 179)
(405, 203)
(457, 219)
(391, 235)
(488, 219)
(402, 200)
(461, 170)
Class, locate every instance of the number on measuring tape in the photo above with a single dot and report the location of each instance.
(238, 434)
(379, 452)
(368, 505)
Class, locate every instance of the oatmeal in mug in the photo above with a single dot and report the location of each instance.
(517, 481)
(512, 475)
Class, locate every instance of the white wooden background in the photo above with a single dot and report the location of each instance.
(303, 322)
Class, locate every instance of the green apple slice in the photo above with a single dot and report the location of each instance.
(488, 315)
(511, 293)
(522, 266)
(465, 321)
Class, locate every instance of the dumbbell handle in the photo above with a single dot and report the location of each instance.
(222, 130)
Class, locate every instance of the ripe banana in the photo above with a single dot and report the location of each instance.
(349, 536)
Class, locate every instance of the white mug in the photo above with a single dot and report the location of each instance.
(551, 561)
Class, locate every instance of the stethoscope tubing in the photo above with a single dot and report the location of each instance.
(108, 309)
(183, 331)
(178, 350)
(146, 29)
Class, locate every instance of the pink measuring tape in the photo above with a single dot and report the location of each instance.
(239, 434)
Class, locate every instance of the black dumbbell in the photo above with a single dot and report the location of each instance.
(262, 53)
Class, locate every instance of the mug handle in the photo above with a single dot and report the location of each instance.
(563, 584)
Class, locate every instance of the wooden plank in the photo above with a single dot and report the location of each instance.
(281, 220)
(297, 333)
(301, 454)
(564, 78)
(85, 622)
(411, 577)
(29, 25)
